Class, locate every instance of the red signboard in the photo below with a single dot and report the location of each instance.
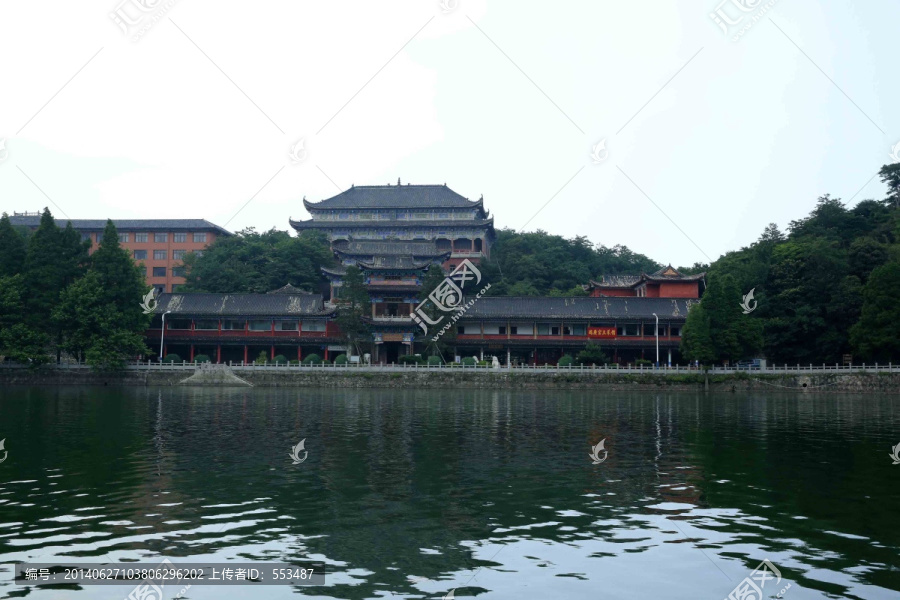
(601, 332)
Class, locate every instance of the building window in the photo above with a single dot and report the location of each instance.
(234, 325)
(179, 238)
(513, 330)
(461, 330)
(178, 254)
(140, 237)
(313, 326)
(579, 330)
(180, 324)
(177, 271)
(123, 238)
(198, 253)
(260, 325)
(140, 255)
(160, 255)
(160, 237)
(502, 330)
(554, 330)
(287, 326)
(199, 238)
(159, 271)
(675, 331)
(543, 329)
(85, 237)
(648, 329)
(207, 324)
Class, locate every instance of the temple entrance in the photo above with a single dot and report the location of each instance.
(393, 351)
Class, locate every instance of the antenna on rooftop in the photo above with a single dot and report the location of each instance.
(398, 181)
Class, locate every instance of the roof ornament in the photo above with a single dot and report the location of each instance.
(398, 181)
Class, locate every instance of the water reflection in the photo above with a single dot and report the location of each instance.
(409, 494)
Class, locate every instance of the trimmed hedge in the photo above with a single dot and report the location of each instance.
(341, 359)
(566, 361)
(171, 358)
(201, 358)
(434, 360)
(281, 359)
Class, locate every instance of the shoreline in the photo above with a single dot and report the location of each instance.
(858, 382)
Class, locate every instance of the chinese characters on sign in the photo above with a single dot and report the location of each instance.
(601, 332)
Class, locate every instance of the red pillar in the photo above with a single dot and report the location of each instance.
(299, 353)
(273, 352)
(165, 350)
(245, 354)
(326, 352)
(192, 353)
(219, 353)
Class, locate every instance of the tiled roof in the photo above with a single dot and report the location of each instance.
(404, 223)
(243, 305)
(669, 273)
(548, 307)
(367, 248)
(123, 225)
(289, 289)
(616, 281)
(394, 196)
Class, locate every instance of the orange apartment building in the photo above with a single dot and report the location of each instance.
(157, 244)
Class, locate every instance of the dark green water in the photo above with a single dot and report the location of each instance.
(491, 493)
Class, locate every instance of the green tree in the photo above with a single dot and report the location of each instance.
(876, 336)
(253, 262)
(354, 306)
(96, 328)
(17, 340)
(890, 175)
(592, 355)
(121, 280)
(12, 248)
(696, 338)
(434, 277)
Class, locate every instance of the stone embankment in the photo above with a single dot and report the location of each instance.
(856, 382)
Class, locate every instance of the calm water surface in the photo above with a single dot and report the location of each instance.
(409, 494)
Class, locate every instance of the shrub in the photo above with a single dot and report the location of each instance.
(201, 358)
(411, 360)
(643, 362)
(295, 362)
(171, 358)
(468, 361)
(434, 360)
(341, 359)
(325, 361)
(312, 359)
(566, 361)
(591, 355)
(484, 363)
(262, 359)
(281, 359)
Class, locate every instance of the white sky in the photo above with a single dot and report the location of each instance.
(494, 97)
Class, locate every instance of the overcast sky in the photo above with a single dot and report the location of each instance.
(194, 110)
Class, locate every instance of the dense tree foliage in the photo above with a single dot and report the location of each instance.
(824, 290)
(538, 263)
(252, 262)
(54, 297)
(353, 306)
(434, 277)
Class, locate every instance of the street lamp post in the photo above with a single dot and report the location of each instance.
(657, 340)
(162, 337)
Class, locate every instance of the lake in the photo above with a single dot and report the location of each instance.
(414, 493)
